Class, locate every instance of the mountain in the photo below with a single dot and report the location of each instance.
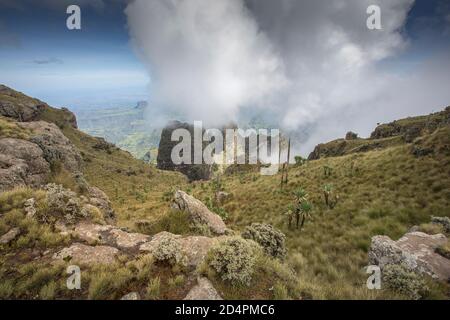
(68, 198)
(125, 127)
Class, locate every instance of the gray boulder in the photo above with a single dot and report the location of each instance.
(10, 236)
(22, 163)
(203, 290)
(415, 251)
(80, 253)
(16, 105)
(199, 213)
(55, 145)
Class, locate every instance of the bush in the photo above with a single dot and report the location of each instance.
(234, 260)
(269, 238)
(169, 250)
(399, 279)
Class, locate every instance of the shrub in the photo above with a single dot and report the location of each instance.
(169, 250)
(234, 260)
(269, 238)
(399, 279)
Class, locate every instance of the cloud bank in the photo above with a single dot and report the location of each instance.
(306, 63)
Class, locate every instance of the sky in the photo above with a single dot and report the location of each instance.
(303, 65)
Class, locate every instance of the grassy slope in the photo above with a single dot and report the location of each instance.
(387, 192)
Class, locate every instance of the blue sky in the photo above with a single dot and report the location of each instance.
(97, 66)
(92, 67)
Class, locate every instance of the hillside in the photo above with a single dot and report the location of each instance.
(381, 191)
(125, 127)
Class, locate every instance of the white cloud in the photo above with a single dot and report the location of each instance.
(310, 63)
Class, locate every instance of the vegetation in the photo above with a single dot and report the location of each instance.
(233, 260)
(269, 238)
(400, 279)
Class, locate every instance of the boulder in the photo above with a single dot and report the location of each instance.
(109, 235)
(16, 105)
(83, 254)
(131, 296)
(203, 290)
(10, 236)
(99, 199)
(164, 158)
(194, 248)
(55, 145)
(199, 213)
(222, 196)
(29, 206)
(22, 163)
(416, 251)
(351, 136)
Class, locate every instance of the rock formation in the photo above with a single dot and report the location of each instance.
(164, 159)
(199, 213)
(415, 250)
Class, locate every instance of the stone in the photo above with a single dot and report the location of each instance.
(194, 248)
(199, 213)
(10, 236)
(351, 136)
(22, 163)
(18, 106)
(222, 196)
(29, 206)
(203, 290)
(84, 254)
(55, 145)
(131, 296)
(164, 158)
(109, 235)
(415, 250)
(99, 199)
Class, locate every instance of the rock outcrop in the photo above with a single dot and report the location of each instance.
(415, 251)
(99, 199)
(199, 213)
(10, 236)
(194, 248)
(54, 144)
(84, 254)
(164, 159)
(411, 128)
(16, 105)
(109, 235)
(22, 163)
(203, 290)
